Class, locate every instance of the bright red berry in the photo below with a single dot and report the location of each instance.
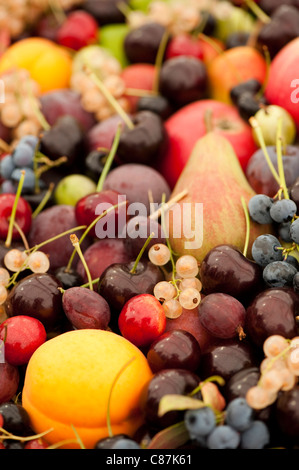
(184, 44)
(23, 215)
(79, 30)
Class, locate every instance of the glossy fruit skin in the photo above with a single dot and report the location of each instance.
(286, 414)
(24, 335)
(9, 382)
(226, 358)
(142, 320)
(273, 311)
(68, 278)
(225, 269)
(16, 419)
(37, 296)
(23, 216)
(177, 349)
(164, 382)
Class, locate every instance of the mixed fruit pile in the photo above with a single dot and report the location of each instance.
(122, 326)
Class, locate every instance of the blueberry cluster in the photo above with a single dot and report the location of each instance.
(11, 166)
(240, 429)
(280, 268)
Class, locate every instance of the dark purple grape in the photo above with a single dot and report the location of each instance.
(85, 308)
(227, 358)
(177, 349)
(272, 312)
(183, 80)
(141, 44)
(15, 419)
(164, 382)
(222, 316)
(279, 274)
(9, 381)
(259, 208)
(265, 250)
(287, 414)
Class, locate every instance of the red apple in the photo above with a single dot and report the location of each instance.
(188, 125)
(139, 77)
(283, 84)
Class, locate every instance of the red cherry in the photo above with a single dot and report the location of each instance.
(2, 446)
(22, 335)
(1, 423)
(142, 320)
(87, 210)
(23, 215)
(79, 30)
(184, 44)
(36, 444)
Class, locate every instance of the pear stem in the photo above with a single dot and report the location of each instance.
(159, 61)
(133, 270)
(14, 210)
(43, 201)
(208, 120)
(110, 98)
(110, 393)
(247, 218)
(280, 160)
(76, 244)
(255, 125)
(109, 160)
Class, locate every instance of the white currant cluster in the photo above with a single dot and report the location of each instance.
(279, 371)
(182, 291)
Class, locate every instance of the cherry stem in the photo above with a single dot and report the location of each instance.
(44, 200)
(22, 235)
(247, 218)
(67, 269)
(79, 440)
(94, 281)
(110, 159)
(133, 270)
(110, 393)
(261, 15)
(14, 210)
(76, 244)
(280, 160)
(261, 92)
(211, 42)
(255, 125)
(8, 435)
(159, 60)
(110, 98)
(168, 205)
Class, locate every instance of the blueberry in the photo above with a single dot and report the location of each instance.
(256, 437)
(23, 155)
(6, 167)
(223, 437)
(200, 423)
(264, 250)
(239, 415)
(31, 140)
(29, 180)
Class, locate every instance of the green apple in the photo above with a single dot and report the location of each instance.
(230, 20)
(111, 37)
(268, 119)
(71, 188)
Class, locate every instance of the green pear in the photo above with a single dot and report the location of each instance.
(212, 212)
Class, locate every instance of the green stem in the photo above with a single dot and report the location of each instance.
(76, 244)
(255, 125)
(261, 15)
(94, 281)
(14, 210)
(280, 160)
(159, 61)
(247, 226)
(109, 160)
(133, 270)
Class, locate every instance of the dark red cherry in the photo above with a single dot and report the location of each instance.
(141, 44)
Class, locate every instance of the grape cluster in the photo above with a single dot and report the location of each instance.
(21, 107)
(108, 70)
(182, 291)
(280, 268)
(279, 371)
(238, 428)
(21, 159)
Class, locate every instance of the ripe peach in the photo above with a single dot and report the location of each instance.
(49, 65)
(68, 382)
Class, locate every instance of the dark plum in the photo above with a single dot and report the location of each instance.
(175, 349)
(85, 308)
(227, 358)
(164, 382)
(52, 222)
(38, 296)
(222, 315)
(272, 312)
(287, 415)
(9, 381)
(15, 419)
(104, 11)
(141, 44)
(183, 80)
(225, 269)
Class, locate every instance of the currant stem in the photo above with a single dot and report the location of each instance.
(133, 270)
(109, 160)
(22, 235)
(76, 244)
(14, 210)
(280, 160)
(247, 218)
